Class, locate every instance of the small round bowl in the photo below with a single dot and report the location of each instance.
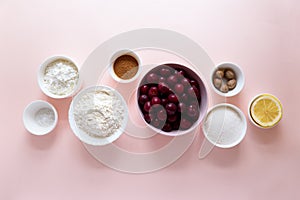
(41, 75)
(32, 124)
(249, 114)
(114, 58)
(85, 137)
(203, 103)
(240, 79)
(226, 134)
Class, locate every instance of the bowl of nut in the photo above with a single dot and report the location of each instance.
(172, 99)
(227, 79)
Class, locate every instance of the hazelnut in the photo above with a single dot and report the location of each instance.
(229, 74)
(224, 88)
(231, 84)
(217, 82)
(220, 73)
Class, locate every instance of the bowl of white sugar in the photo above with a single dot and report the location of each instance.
(58, 77)
(98, 115)
(225, 125)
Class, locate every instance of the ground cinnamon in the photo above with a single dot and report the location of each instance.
(125, 67)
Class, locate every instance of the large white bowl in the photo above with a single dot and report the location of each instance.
(31, 123)
(41, 75)
(203, 103)
(86, 138)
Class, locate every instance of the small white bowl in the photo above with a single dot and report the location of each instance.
(122, 53)
(85, 137)
(41, 75)
(240, 79)
(226, 134)
(31, 122)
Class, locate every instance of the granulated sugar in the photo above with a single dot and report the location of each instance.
(224, 126)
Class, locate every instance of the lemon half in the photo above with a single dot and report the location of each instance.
(266, 110)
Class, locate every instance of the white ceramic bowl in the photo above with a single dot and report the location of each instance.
(41, 74)
(32, 124)
(117, 55)
(239, 78)
(85, 137)
(203, 103)
(226, 134)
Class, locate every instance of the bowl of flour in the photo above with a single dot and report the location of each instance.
(98, 115)
(58, 77)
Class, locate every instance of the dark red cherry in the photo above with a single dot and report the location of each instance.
(147, 106)
(152, 78)
(143, 99)
(155, 100)
(179, 88)
(153, 91)
(173, 98)
(144, 89)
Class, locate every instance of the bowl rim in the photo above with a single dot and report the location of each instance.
(118, 54)
(242, 134)
(200, 119)
(86, 138)
(240, 79)
(42, 69)
(45, 105)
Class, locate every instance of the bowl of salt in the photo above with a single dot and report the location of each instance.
(40, 117)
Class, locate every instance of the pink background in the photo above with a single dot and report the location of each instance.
(261, 36)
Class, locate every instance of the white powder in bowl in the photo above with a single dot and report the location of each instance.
(224, 126)
(45, 117)
(61, 77)
(99, 113)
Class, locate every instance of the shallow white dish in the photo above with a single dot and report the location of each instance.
(226, 134)
(29, 117)
(85, 137)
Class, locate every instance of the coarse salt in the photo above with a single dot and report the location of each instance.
(45, 117)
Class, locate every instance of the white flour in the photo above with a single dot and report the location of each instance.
(61, 77)
(99, 113)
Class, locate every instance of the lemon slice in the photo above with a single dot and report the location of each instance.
(266, 110)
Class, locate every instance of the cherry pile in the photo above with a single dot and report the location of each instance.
(169, 98)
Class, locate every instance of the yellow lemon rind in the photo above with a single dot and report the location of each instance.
(275, 121)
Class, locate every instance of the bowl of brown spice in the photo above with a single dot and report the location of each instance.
(125, 66)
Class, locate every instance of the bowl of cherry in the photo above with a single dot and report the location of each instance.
(172, 99)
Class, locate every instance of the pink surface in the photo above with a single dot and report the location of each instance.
(261, 36)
